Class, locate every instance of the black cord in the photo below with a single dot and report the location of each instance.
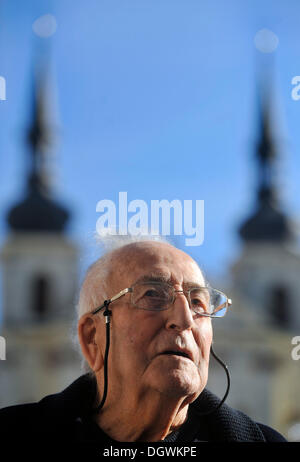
(106, 313)
(227, 389)
(225, 367)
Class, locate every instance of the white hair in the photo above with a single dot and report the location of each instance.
(94, 289)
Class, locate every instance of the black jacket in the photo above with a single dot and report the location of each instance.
(65, 419)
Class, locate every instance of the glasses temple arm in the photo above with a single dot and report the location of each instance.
(115, 297)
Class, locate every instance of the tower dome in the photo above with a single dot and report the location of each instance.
(37, 211)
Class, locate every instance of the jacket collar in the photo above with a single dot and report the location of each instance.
(225, 424)
(77, 400)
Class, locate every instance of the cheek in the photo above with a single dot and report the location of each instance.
(203, 337)
(136, 339)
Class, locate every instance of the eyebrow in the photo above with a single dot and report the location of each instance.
(164, 278)
(155, 277)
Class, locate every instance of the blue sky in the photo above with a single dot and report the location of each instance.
(156, 98)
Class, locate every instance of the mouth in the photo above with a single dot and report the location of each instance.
(177, 353)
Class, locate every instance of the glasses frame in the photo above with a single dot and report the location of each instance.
(123, 292)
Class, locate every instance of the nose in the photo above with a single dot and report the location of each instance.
(179, 314)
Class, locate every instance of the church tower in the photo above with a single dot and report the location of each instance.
(255, 339)
(39, 268)
(267, 273)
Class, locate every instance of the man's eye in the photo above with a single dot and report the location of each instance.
(198, 304)
(152, 293)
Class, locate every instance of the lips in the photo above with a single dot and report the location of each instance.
(183, 353)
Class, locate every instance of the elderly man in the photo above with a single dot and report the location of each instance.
(145, 332)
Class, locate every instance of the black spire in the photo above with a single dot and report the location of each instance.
(38, 212)
(268, 223)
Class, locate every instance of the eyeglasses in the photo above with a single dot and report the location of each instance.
(158, 296)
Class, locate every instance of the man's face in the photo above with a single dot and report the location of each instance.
(140, 339)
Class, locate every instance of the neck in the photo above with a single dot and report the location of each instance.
(150, 417)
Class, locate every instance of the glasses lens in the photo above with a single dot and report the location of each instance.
(208, 301)
(200, 300)
(218, 303)
(152, 296)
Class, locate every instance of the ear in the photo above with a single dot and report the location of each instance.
(88, 328)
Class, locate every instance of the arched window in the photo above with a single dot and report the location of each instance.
(40, 295)
(280, 306)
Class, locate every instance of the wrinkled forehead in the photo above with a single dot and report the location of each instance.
(156, 261)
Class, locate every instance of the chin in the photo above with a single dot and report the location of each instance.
(179, 383)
